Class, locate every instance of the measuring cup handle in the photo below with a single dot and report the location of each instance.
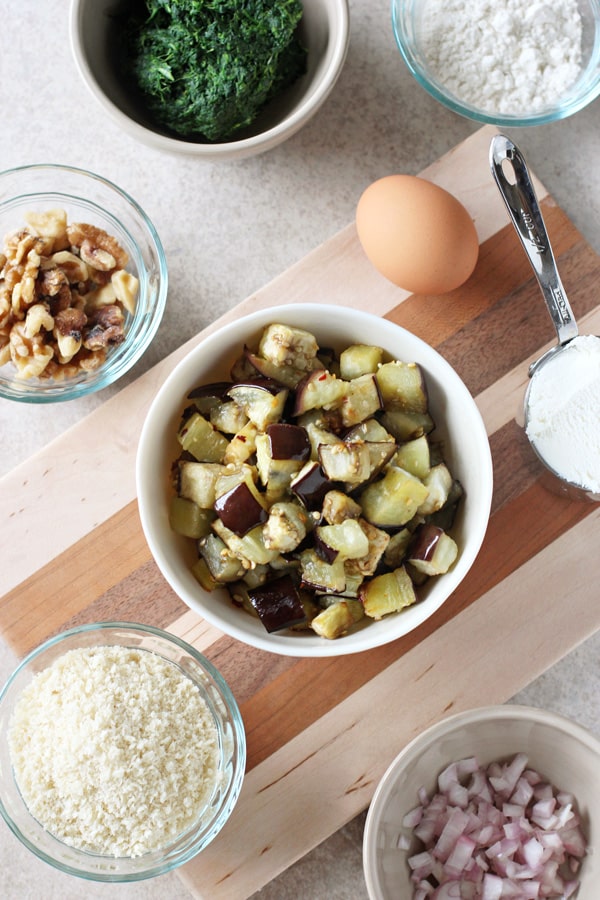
(524, 210)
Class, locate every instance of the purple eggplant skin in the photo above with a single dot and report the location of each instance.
(323, 550)
(424, 540)
(218, 389)
(288, 441)
(278, 604)
(239, 510)
(312, 487)
(260, 383)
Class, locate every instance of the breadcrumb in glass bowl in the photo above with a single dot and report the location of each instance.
(122, 752)
(83, 283)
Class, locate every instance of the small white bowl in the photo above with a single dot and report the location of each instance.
(561, 750)
(459, 425)
(324, 31)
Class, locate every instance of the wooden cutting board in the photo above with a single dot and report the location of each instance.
(322, 732)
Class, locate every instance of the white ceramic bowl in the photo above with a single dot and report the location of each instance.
(564, 752)
(458, 421)
(324, 30)
(231, 742)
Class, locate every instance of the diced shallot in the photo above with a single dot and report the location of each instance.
(494, 833)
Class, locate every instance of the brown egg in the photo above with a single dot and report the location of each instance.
(417, 234)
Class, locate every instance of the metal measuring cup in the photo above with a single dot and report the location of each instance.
(523, 208)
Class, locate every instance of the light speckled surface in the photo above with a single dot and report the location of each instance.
(228, 229)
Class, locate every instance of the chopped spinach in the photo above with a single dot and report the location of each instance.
(205, 68)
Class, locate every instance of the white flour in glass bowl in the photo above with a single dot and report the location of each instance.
(503, 56)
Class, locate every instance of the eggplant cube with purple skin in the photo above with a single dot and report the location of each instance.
(241, 508)
(263, 401)
(431, 550)
(278, 604)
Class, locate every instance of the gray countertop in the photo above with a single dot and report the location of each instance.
(228, 229)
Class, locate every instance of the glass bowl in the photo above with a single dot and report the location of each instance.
(88, 198)
(231, 753)
(413, 37)
(562, 751)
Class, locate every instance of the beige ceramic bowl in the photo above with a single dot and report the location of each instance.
(564, 752)
(458, 422)
(324, 30)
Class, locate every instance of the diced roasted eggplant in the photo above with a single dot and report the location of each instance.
(280, 453)
(186, 518)
(288, 376)
(338, 618)
(402, 387)
(228, 417)
(369, 430)
(249, 548)
(241, 508)
(367, 564)
(319, 575)
(263, 401)
(445, 516)
(223, 564)
(337, 507)
(414, 456)
(359, 359)
(387, 593)
(198, 437)
(405, 426)
(431, 550)
(361, 400)
(278, 604)
(207, 396)
(286, 345)
(347, 540)
(320, 389)
(438, 482)
(204, 576)
(394, 499)
(242, 445)
(286, 526)
(288, 442)
(198, 481)
(268, 461)
(395, 552)
(347, 462)
(310, 485)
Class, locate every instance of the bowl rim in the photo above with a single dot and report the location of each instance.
(164, 407)
(106, 374)
(235, 149)
(437, 91)
(231, 797)
(507, 712)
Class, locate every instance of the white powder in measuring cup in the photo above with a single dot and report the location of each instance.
(564, 412)
(503, 56)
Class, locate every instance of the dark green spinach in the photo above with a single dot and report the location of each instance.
(205, 68)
